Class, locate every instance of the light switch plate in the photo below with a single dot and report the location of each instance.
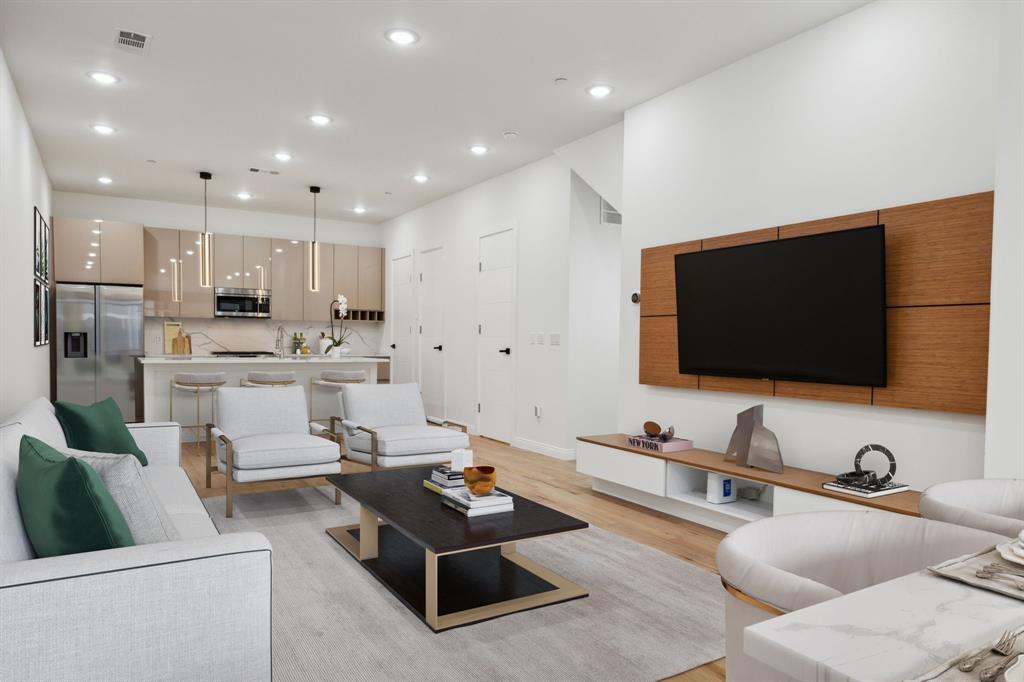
(555, 339)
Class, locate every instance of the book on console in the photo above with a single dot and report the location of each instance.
(865, 491)
(485, 511)
(446, 472)
(464, 498)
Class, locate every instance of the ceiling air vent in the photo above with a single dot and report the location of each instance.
(132, 41)
(267, 172)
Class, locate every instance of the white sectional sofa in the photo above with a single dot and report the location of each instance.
(197, 608)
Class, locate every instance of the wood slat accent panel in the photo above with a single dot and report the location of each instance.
(740, 238)
(860, 395)
(938, 359)
(658, 277)
(843, 222)
(659, 353)
(939, 252)
(737, 385)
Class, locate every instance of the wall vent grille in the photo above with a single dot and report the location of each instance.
(132, 41)
(609, 216)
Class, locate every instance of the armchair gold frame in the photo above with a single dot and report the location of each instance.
(339, 439)
(230, 484)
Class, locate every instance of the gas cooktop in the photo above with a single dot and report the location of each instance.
(242, 353)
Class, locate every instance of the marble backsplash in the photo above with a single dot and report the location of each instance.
(246, 334)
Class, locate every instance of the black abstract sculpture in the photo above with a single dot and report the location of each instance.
(752, 444)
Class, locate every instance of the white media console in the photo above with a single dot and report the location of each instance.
(676, 483)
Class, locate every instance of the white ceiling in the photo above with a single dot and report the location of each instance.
(224, 85)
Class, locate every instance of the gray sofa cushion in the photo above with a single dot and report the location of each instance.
(411, 439)
(122, 475)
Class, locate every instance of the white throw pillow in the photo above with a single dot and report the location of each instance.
(122, 475)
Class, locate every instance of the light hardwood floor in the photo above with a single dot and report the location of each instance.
(557, 484)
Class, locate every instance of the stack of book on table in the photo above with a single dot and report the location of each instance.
(443, 478)
(465, 502)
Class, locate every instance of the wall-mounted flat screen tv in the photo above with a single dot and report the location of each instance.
(803, 309)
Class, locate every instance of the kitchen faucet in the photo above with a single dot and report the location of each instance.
(279, 342)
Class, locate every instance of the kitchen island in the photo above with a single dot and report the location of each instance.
(157, 372)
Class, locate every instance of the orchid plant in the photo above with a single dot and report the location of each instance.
(343, 334)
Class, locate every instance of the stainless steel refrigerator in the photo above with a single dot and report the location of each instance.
(99, 336)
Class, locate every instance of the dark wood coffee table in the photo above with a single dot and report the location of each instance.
(448, 569)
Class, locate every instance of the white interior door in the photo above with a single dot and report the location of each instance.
(404, 311)
(496, 317)
(431, 341)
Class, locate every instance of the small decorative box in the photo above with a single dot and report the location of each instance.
(658, 445)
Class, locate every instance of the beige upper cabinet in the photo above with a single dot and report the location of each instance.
(160, 285)
(315, 304)
(346, 273)
(196, 301)
(286, 282)
(256, 263)
(227, 261)
(73, 241)
(371, 278)
(121, 253)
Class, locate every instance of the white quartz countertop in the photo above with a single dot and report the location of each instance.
(286, 360)
(895, 630)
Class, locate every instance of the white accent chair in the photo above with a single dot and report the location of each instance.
(781, 564)
(992, 504)
(266, 436)
(386, 427)
(151, 611)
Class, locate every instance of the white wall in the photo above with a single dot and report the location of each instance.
(1004, 435)
(223, 220)
(595, 255)
(597, 158)
(893, 103)
(535, 200)
(24, 368)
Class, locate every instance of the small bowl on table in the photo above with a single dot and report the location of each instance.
(480, 480)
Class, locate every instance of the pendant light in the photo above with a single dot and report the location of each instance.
(205, 242)
(314, 248)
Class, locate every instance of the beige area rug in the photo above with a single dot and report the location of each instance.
(648, 616)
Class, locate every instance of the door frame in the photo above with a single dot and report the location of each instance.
(508, 227)
(392, 305)
(418, 284)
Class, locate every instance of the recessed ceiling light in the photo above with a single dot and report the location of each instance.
(104, 180)
(320, 119)
(103, 77)
(359, 209)
(477, 150)
(283, 156)
(402, 36)
(420, 178)
(104, 129)
(599, 91)
(244, 196)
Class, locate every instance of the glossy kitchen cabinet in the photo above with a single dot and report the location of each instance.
(286, 282)
(371, 278)
(346, 272)
(160, 287)
(196, 301)
(73, 242)
(227, 261)
(121, 253)
(315, 303)
(256, 263)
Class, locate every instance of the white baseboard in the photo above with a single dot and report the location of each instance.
(543, 448)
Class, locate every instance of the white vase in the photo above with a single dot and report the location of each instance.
(324, 345)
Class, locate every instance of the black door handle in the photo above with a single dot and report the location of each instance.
(392, 346)
(506, 351)
(437, 347)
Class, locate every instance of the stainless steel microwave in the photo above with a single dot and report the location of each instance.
(229, 302)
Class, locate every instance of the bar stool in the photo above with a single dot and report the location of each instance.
(196, 384)
(334, 379)
(268, 379)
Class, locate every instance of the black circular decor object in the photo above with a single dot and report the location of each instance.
(881, 449)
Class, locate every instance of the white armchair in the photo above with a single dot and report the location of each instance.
(266, 436)
(992, 504)
(386, 427)
(781, 564)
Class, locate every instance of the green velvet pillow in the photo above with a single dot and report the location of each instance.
(64, 505)
(97, 428)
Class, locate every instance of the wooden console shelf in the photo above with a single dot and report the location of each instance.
(794, 478)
